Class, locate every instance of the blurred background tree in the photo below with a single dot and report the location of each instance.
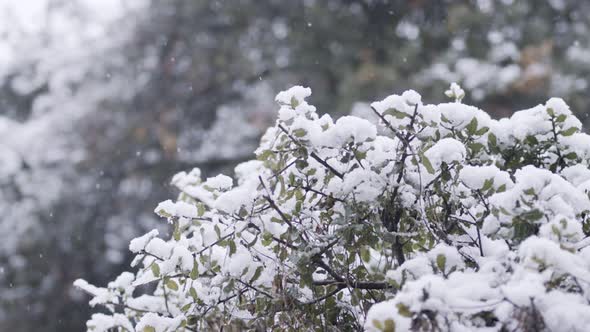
(101, 101)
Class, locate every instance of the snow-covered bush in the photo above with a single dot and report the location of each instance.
(436, 218)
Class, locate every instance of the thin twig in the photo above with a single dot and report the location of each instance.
(355, 284)
(332, 293)
(312, 154)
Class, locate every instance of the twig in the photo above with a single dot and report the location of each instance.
(389, 125)
(272, 203)
(215, 243)
(312, 154)
(332, 293)
(355, 284)
(255, 289)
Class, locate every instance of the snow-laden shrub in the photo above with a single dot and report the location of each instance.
(437, 218)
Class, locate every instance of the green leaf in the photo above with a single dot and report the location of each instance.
(533, 215)
(396, 113)
(360, 155)
(195, 271)
(283, 254)
(427, 164)
(531, 140)
(523, 229)
(232, 248)
(550, 111)
(472, 126)
(217, 231)
(294, 102)
(266, 239)
(193, 293)
(301, 164)
(571, 155)
(176, 233)
(155, 269)
(403, 310)
(186, 307)
(569, 132)
(487, 184)
(389, 325)
(492, 140)
(149, 329)
(563, 223)
(481, 131)
(504, 211)
(365, 254)
(163, 213)
(476, 147)
(298, 207)
(243, 213)
(230, 286)
(244, 271)
(200, 209)
(555, 231)
(530, 191)
(561, 118)
(299, 132)
(441, 261)
(501, 188)
(393, 283)
(265, 155)
(257, 274)
(172, 284)
(377, 324)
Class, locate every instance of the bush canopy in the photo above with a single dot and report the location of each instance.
(419, 217)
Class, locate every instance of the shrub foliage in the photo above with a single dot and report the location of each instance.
(421, 217)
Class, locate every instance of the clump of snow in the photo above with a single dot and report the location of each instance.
(232, 200)
(382, 315)
(247, 170)
(183, 179)
(219, 182)
(293, 103)
(105, 323)
(176, 209)
(159, 323)
(139, 244)
(297, 93)
(475, 177)
(455, 92)
(349, 128)
(412, 97)
(451, 262)
(563, 230)
(447, 150)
